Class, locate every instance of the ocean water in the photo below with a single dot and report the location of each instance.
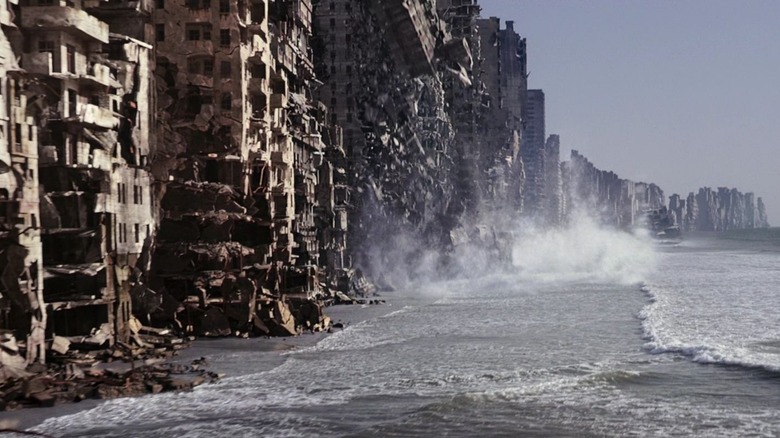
(592, 333)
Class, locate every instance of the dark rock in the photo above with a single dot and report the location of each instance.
(44, 399)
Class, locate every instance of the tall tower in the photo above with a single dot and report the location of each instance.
(503, 54)
(533, 151)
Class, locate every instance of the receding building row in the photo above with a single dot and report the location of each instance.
(214, 166)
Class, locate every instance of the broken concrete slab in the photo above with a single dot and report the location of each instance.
(60, 345)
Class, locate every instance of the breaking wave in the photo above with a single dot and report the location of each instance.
(661, 338)
(584, 252)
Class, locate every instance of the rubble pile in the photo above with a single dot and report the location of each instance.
(84, 368)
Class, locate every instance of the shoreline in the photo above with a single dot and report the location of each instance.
(232, 357)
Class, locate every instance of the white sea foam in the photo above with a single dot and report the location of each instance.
(663, 335)
(584, 252)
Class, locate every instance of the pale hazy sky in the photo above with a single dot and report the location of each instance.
(681, 93)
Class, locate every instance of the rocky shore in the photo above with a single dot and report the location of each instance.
(80, 381)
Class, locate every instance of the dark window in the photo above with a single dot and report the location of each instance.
(224, 7)
(258, 13)
(193, 67)
(18, 137)
(349, 117)
(258, 105)
(224, 37)
(72, 102)
(349, 69)
(29, 132)
(208, 67)
(159, 30)
(227, 101)
(73, 150)
(333, 69)
(258, 71)
(332, 6)
(332, 22)
(224, 69)
(207, 32)
(206, 4)
(348, 6)
(160, 4)
(46, 46)
(192, 4)
(193, 34)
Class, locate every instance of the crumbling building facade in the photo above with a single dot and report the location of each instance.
(76, 129)
(379, 66)
(240, 144)
(23, 315)
(504, 73)
(605, 196)
(468, 100)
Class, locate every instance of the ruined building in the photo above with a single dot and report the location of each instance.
(554, 205)
(467, 100)
(81, 124)
(721, 210)
(23, 314)
(185, 173)
(533, 152)
(504, 73)
(240, 145)
(378, 61)
(604, 195)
